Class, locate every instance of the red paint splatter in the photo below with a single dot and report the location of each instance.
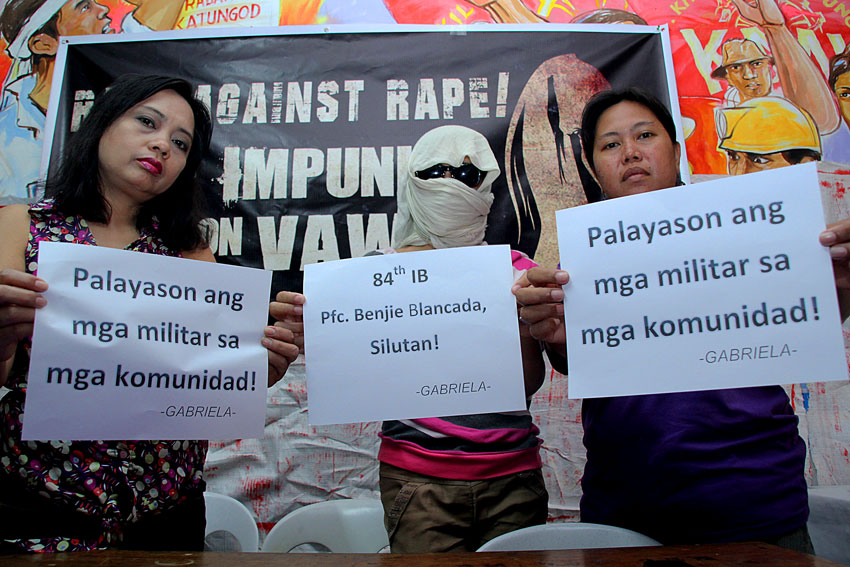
(265, 526)
(564, 518)
(256, 486)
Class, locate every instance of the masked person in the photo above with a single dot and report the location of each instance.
(453, 483)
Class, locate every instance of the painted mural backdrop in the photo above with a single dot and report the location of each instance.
(738, 63)
(759, 82)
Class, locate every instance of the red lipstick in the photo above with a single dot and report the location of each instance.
(151, 164)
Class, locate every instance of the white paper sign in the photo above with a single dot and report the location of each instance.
(413, 335)
(715, 285)
(142, 346)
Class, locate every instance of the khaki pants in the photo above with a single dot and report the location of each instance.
(428, 514)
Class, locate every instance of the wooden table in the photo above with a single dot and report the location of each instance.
(749, 554)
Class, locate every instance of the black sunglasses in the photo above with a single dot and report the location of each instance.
(467, 174)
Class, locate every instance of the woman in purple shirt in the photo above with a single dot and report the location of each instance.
(695, 467)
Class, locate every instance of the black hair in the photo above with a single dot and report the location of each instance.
(76, 186)
(604, 100)
(838, 65)
(17, 14)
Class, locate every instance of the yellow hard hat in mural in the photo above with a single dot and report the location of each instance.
(766, 125)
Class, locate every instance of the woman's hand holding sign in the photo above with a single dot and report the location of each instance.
(20, 296)
(285, 339)
(541, 298)
(837, 238)
(20, 293)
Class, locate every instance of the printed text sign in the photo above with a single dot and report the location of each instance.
(141, 346)
(715, 285)
(420, 334)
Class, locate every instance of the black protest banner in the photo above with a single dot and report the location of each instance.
(312, 130)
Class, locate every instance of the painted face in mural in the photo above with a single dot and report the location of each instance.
(766, 133)
(739, 163)
(842, 91)
(83, 17)
(751, 78)
(632, 152)
(141, 154)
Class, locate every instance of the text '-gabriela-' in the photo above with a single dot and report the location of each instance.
(198, 411)
(745, 353)
(453, 388)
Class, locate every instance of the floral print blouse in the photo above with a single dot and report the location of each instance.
(117, 482)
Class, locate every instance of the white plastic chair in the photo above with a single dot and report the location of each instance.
(343, 526)
(569, 535)
(229, 515)
(829, 522)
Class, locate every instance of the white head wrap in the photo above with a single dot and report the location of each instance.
(18, 48)
(444, 212)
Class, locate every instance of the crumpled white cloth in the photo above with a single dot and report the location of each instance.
(444, 212)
